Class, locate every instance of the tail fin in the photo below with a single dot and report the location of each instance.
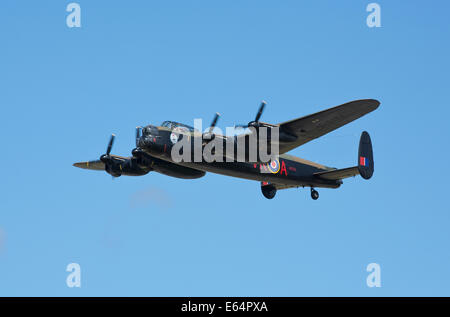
(365, 156)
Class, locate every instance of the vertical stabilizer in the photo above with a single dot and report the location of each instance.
(365, 156)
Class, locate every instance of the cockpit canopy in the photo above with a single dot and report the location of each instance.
(173, 125)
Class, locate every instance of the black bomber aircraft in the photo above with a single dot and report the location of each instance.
(154, 145)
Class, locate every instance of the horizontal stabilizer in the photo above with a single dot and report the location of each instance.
(338, 174)
(365, 165)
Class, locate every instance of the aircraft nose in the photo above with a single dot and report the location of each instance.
(149, 134)
(146, 141)
(150, 144)
(150, 130)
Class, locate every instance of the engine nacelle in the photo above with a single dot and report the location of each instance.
(146, 163)
(113, 169)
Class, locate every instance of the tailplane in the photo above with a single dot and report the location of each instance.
(365, 165)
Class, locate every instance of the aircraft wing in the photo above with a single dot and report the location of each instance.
(315, 125)
(280, 186)
(284, 186)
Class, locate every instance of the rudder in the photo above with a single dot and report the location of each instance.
(365, 156)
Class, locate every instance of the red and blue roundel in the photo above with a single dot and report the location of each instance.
(274, 166)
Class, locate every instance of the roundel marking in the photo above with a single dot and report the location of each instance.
(174, 137)
(274, 166)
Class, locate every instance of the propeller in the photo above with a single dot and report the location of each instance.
(260, 111)
(213, 124)
(138, 135)
(255, 123)
(209, 135)
(137, 152)
(105, 158)
(108, 160)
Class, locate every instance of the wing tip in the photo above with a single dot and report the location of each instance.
(372, 104)
(375, 103)
(90, 165)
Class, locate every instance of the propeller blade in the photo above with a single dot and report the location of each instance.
(213, 124)
(254, 123)
(260, 111)
(111, 141)
(138, 135)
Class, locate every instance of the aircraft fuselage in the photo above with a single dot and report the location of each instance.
(286, 169)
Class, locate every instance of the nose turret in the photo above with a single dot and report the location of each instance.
(150, 130)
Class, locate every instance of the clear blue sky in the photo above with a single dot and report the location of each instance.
(64, 91)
